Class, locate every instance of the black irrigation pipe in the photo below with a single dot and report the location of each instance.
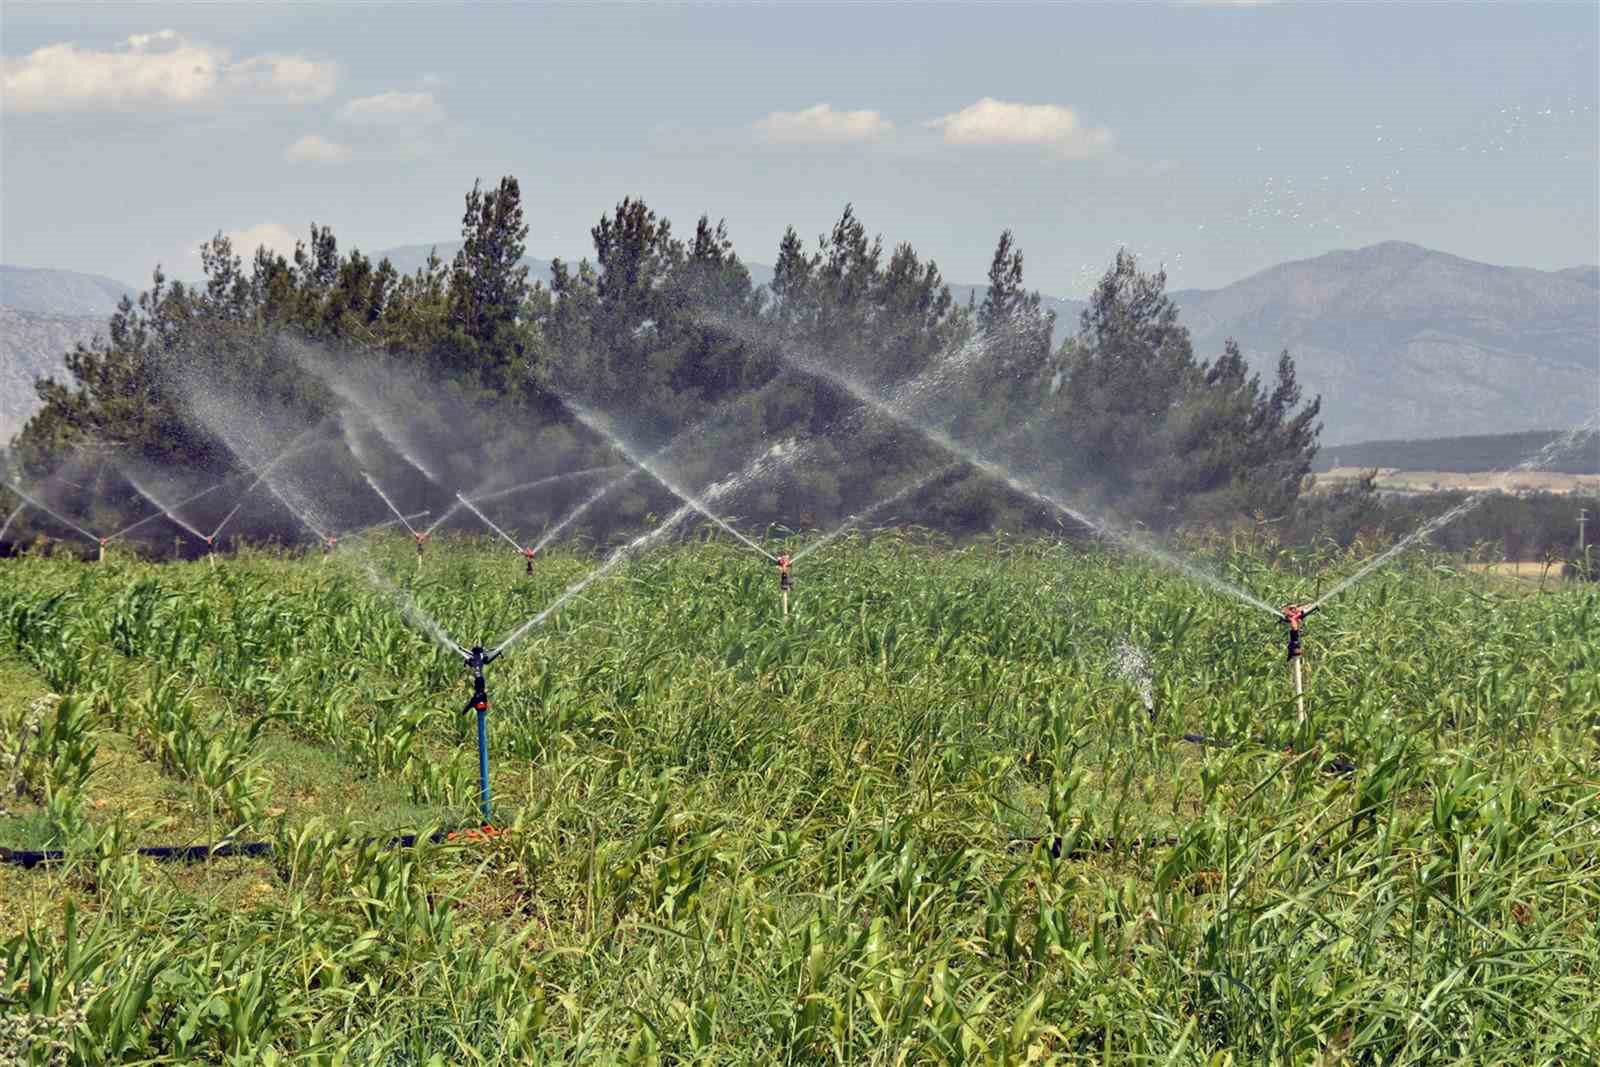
(205, 853)
(1087, 847)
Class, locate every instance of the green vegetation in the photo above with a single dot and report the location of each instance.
(662, 333)
(920, 820)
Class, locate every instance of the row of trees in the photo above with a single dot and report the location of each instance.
(856, 349)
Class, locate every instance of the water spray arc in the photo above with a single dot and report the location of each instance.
(27, 499)
(1546, 455)
(649, 537)
(599, 494)
(578, 512)
(298, 445)
(12, 517)
(169, 512)
(600, 425)
(869, 397)
(872, 509)
(470, 506)
(481, 497)
(421, 537)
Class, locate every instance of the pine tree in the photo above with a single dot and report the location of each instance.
(493, 341)
(1163, 437)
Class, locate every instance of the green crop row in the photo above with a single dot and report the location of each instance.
(927, 817)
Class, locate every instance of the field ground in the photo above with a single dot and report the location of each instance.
(927, 818)
(1536, 571)
(1394, 480)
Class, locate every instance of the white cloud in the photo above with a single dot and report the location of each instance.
(151, 70)
(313, 148)
(992, 121)
(276, 237)
(821, 124)
(393, 109)
(294, 77)
(145, 40)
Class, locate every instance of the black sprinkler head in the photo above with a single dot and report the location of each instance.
(478, 657)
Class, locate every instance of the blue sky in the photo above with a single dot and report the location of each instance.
(1216, 138)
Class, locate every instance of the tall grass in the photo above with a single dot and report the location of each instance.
(923, 818)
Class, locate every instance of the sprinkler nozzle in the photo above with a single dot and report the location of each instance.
(528, 554)
(478, 657)
(785, 579)
(1294, 616)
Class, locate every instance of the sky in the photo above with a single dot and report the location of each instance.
(1216, 139)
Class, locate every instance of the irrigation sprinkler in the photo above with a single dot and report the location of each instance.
(477, 659)
(101, 541)
(399, 516)
(1294, 616)
(526, 552)
(785, 580)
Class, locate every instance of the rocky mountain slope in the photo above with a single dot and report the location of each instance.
(32, 345)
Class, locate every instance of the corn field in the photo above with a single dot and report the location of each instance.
(940, 813)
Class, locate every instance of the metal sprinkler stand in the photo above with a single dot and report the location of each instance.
(528, 554)
(328, 545)
(478, 659)
(421, 537)
(1294, 615)
(785, 579)
(103, 541)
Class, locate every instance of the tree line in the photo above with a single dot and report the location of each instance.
(856, 349)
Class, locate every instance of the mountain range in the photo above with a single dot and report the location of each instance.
(1400, 341)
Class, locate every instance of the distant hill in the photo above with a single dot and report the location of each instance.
(33, 345)
(1589, 276)
(1403, 342)
(1494, 452)
(59, 292)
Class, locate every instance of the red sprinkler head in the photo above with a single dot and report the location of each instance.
(785, 580)
(528, 554)
(1295, 616)
(104, 541)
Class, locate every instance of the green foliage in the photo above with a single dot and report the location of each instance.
(1169, 438)
(923, 818)
(669, 337)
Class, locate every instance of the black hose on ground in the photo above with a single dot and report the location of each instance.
(195, 853)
